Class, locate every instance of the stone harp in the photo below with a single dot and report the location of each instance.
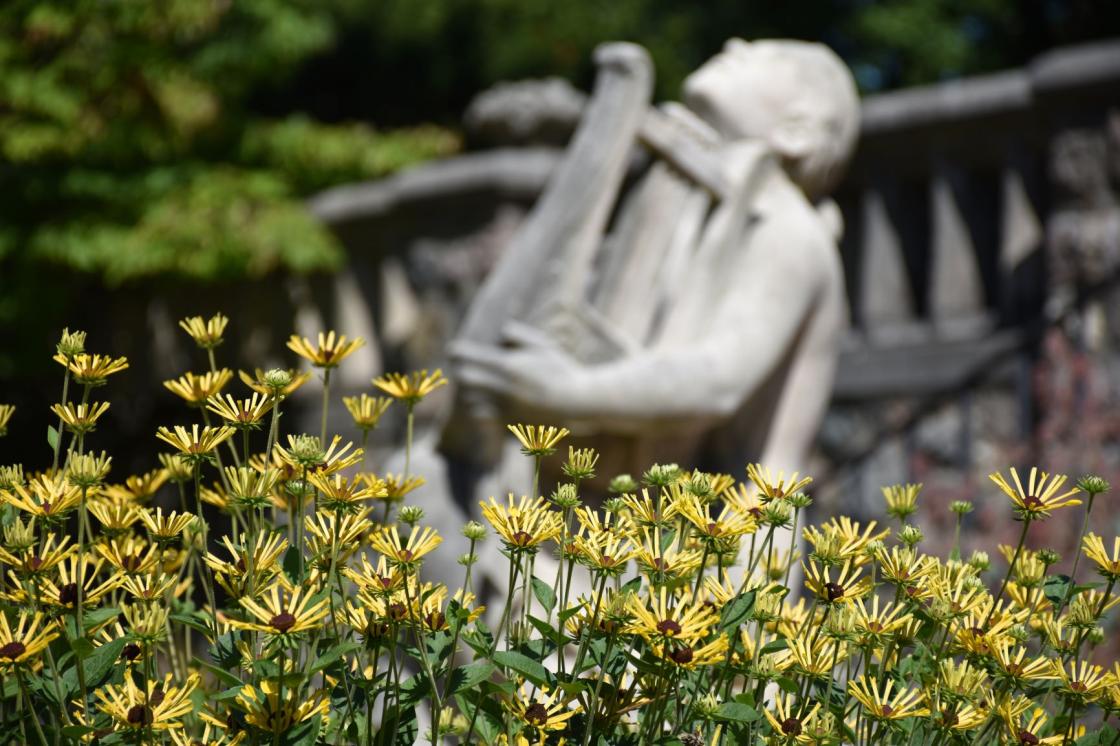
(560, 273)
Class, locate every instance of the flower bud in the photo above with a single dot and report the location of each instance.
(910, 535)
(961, 507)
(1093, 484)
(411, 514)
(474, 531)
(979, 561)
(566, 497)
(799, 500)
(1049, 557)
(661, 475)
(622, 484)
(277, 379)
(71, 344)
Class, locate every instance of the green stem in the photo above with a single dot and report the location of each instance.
(1010, 569)
(326, 404)
(65, 397)
(34, 716)
(408, 440)
(1076, 557)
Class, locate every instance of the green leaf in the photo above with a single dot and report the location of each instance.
(548, 632)
(82, 647)
(226, 677)
(224, 652)
(544, 593)
(524, 665)
(77, 731)
(774, 646)
(634, 585)
(97, 666)
(195, 620)
(291, 564)
(468, 676)
(737, 712)
(737, 612)
(1056, 587)
(414, 689)
(332, 655)
(304, 734)
(52, 437)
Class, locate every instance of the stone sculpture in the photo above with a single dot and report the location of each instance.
(701, 325)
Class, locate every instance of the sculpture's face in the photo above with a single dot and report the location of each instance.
(741, 90)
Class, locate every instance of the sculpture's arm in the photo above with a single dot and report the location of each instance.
(707, 379)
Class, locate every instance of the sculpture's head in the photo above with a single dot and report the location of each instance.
(797, 96)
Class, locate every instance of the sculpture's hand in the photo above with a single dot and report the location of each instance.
(534, 372)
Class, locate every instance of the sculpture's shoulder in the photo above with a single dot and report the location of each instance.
(789, 230)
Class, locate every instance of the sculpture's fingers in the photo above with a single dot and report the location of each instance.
(526, 335)
(478, 365)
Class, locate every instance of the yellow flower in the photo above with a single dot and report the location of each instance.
(421, 541)
(876, 624)
(342, 495)
(78, 570)
(137, 487)
(114, 517)
(23, 643)
(729, 523)
(815, 657)
(165, 527)
(772, 487)
(1107, 565)
(196, 389)
(846, 587)
(37, 560)
(902, 500)
(1029, 732)
(656, 619)
(342, 532)
(45, 497)
(787, 721)
(523, 525)
(243, 413)
(284, 616)
(331, 350)
(257, 381)
(302, 448)
(396, 485)
(961, 718)
(1082, 680)
(6, 412)
(91, 370)
(264, 708)
(1013, 663)
(880, 705)
(410, 388)
(195, 443)
(667, 563)
(380, 580)
(158, 706)
(148, 588)
(366, 410)
(605, 550)
(207, 334)
(538, 440)
(130, 555)
(1041, 496)
(233, 574)
(544, 712)
(692, 655)
(78, 418)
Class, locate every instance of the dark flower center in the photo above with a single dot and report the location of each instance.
(1026, 737)
(156, 696)
(283, 622)
(34, 562)
(948, 718)
(139, 715)
(791, 727)
(405, 555)
(436, 620)
(536, 714)
(833, 591)
(131, 651)
(397, 611)
(68, 594)
(668, 627)
(47, 507)
(1033, 503)
(714, 529)
(386, 581)
(660, 564)
(522, 538)
(887, 711)
(130, 562)
(606, 560)
(682, 656)
(874, 626)
(13, 650)
(1077, 686)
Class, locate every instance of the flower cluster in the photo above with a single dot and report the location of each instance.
(260, 586)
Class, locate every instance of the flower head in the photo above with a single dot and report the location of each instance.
(23, 643)
(195, 389)
(543, 712)
(92, 370)
(78, 418)
(196, 443)
(420, 541)
(242, 414)
(523, 524)
(410, 388)
(771, 487)
(157, 705)
(366, 410)
(275, 382)
(878, 703)
(331, 349)
(282, 613)
(1041, 497)
(902, 500)
(206, 333)
(538, 440)
(6, 412)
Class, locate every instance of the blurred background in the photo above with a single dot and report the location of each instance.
(313, 164)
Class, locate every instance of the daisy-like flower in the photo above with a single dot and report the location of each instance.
(265, 709)
(306, 452)
(331, 349)
(605, 550)
(179, 468)
(729, 523)
(244, 414)
(46, 498)
(137, 487)
(341, 495)
(876, 623)
(1042, 496)
(410, 388)
(195, 389)
(164, 528)
(878, 703)
(691, 655)
(196, 443)
(658, 620)
(278, 615)
(260, 382)
(6, 412)
(130, 555)
(36, 559)
(408, 554)
(397, 486)
(23, 643)
(538, 440)
(1108, 565)
(960, 718)
(788, 722)
(902, 500)
(78, 570)
(148, 588)
(158, 705)
(91, 370)
(115, 518)
(545, 712)
(78, 418)
(206, 333)
(337, 532)
(366, 410)
(961, 679)
(380, 580)
(1016, 668)
(233, 574)
(1028, 731)
(1082, 681)
(771, 487)
(523, 525)
(249, 488)
(845, 587)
